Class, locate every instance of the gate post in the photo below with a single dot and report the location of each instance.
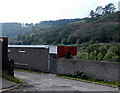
(11, 67)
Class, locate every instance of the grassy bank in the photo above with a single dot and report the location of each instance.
(11, 78)
(31, 71)
(90, 80)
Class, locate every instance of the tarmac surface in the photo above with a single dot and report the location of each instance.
(48, 82)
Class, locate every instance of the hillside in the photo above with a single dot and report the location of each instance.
(14, 29)
(54, 23)
(103, 30)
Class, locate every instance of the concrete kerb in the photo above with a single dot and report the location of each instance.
(10, 88)
(8, 85)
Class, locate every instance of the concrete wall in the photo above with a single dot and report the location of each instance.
(32, 58)
(96, 69)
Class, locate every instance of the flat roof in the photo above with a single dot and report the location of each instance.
(30, 46)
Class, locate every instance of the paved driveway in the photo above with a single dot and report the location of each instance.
(48, 82)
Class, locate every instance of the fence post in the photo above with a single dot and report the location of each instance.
(11, 67)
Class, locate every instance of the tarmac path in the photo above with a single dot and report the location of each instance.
(48, 82)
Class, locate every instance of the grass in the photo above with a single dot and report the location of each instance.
(31, 71)
(11, 78)
(91, 80)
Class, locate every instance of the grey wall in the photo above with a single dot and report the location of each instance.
(96, 69)
(33, 58)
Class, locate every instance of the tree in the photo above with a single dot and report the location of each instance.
(110, 8)
(63, 34)
(99, 12)
(91, 48)
(109, 55)
(116, 58)
(64, 41)
(103, 49)
(116, 37)
(71, 39)
(78, 41)
(95, 52)
(103, 36)
(92, 14)
(91, 56)
(100, 56)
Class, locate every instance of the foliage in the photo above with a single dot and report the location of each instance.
(107, 52)
(11, 78)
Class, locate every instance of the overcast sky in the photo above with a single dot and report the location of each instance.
(34, 11)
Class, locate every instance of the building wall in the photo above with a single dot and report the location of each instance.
(95, 69)
(32, 58)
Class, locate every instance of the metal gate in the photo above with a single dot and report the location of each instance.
(52, 63)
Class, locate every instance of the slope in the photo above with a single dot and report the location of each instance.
(103, 30)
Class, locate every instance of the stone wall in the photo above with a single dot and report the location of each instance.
(95, 69)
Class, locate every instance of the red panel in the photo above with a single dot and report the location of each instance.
(63, 50)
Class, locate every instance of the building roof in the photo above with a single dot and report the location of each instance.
(30, 46)
(52, 49)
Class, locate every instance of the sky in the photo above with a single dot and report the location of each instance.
(34, 11)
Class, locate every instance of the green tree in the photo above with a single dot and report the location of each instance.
(87, 56)
(103, 35)
(109, 55)
(95, 52)
(103, 49)
(78, 42)
(100, 56)
(98, 12)
(63, 34)
(91, 56)
(110, 8)
(116, 37)
(116, 58)
(92, 14)
(91, 48)
(64, 41)
(71, 39)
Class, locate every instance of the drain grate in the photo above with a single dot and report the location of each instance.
(27, 86)
(61, 86)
